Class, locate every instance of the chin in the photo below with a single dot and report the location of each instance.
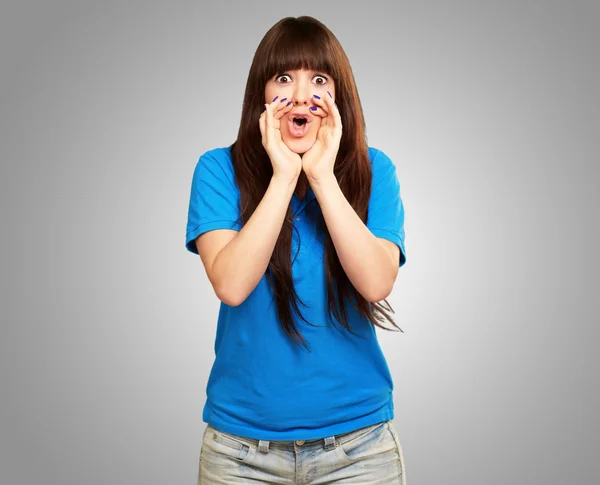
(300, 145)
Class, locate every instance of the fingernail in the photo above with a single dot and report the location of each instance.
(314, 108)
(282, 100)
(318, 97)
(274, 99)
(289, 103)
(265, 106)
(329, 94)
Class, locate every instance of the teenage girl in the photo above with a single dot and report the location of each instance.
(300, 228)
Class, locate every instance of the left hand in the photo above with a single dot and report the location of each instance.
(319, 160)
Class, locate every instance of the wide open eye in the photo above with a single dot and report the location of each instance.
(285, 78)
(323, 79)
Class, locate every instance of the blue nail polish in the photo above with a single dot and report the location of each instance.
(274, 99)
(318, 97)
(314, 108)
(282, 100)
(289, 103)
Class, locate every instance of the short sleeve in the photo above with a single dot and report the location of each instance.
(214, 197)
(386, 210)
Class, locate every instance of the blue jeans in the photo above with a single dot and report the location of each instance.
(366, 456)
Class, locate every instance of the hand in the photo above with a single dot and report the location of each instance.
(286, 163)
(318, 162)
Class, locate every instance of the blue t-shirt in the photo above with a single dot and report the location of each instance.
(264, 386)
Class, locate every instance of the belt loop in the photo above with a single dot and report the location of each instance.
(329, 443)
(263, 446)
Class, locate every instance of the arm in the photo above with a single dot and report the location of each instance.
(239, 266)
(366, 259)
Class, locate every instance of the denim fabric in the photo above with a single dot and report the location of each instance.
(366, 456)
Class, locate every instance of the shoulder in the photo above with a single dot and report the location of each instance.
(378, 156)
(220, 156)
(216, 163)
(381, 163)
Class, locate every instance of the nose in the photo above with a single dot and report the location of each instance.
(300, 100)
(302, 93)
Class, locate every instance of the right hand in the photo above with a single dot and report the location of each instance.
(286, 164)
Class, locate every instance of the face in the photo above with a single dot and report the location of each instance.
(299, 86)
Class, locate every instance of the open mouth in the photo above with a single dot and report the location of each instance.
(299, 121)
(299, 125)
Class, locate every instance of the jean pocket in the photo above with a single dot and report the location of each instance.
(374, 448)
(224, 449)
(400, 452)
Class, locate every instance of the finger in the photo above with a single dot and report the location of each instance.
(276, 104)
(283, 108)
(274, 131)
(269, 128)
(276, 109)
(322, 109)
(334, 113)
(265, 114)
(262, 125)
(273, 119)
(272, 123)
(330, 103)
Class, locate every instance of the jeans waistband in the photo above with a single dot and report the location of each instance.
(326, 442)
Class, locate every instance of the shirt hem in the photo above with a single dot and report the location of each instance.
(200, 229)
(386, 414)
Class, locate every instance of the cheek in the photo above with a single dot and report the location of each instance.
(270, 92)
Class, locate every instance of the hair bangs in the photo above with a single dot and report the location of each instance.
(299, 50)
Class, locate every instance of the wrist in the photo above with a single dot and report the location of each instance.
(321, 180)
(289, 181)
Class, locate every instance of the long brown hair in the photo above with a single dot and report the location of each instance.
(305, 43)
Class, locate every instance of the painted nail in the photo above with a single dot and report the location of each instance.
(318, 97)
(314, 108)
(265, 106)
(329, 94)
(289, 103)
(282, 100)
(274, 99)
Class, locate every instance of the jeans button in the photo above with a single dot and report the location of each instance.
(300, 442)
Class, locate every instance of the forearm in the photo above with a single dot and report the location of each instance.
(242, 263)
(365, 260)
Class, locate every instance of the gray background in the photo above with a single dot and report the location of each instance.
(490, 112)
